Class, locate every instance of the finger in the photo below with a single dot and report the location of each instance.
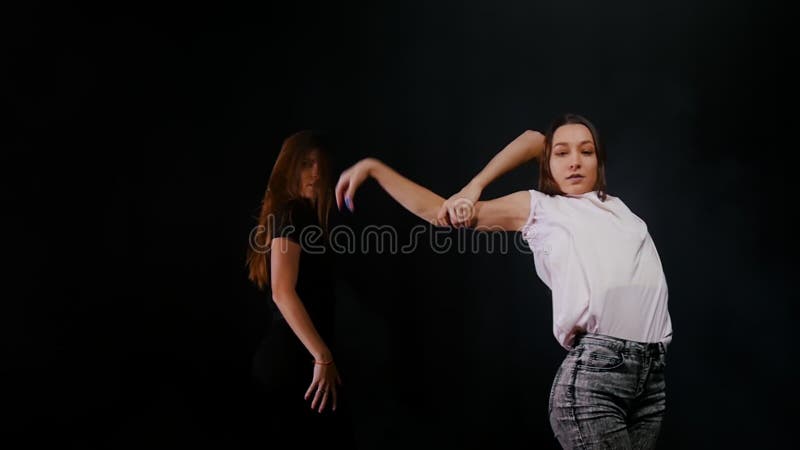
(322, 391)
(316, 398)
(460, 213)
(460, 218)
(464, 211)
(341, 186)
(453, 212)
(348, 198)
(335, 398)
(443, 221)
(324, 402)
(338, 379)
(310, 390)
(442, 212)
(452, 216)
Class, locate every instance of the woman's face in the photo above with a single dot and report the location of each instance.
(309, 175)
(573, 160)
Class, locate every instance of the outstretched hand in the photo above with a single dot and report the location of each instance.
(459, 210)
(323, 386)
(349, 182)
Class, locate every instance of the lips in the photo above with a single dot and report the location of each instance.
(575, 176)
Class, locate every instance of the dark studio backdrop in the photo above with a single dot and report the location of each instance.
(141, 137)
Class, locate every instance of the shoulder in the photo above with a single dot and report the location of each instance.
(535, 196)
(292, 217)
(616, 202)
(294, 209)
(620, 206)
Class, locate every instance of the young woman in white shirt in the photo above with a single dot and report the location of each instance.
(597, 257)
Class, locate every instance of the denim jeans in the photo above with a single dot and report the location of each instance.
(609, 393)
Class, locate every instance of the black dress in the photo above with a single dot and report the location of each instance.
(282, 366)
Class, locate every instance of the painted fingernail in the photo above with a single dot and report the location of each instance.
(349, 203)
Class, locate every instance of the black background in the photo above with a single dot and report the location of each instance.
(141, 136)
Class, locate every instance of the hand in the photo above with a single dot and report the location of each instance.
(323, 386)
(459, 209)
(349, 182)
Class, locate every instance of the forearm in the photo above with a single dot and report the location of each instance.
(527, 146)
(413, 197)
(296, 315)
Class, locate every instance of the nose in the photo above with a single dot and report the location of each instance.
(575, 163)
(315, 170)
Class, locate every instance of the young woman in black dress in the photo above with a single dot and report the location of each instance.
(289, 257)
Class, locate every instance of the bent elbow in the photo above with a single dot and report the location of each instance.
(533, 134)
(280, 295)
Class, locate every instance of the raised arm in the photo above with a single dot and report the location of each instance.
(458, 208)
(507, 213)
(413, 197)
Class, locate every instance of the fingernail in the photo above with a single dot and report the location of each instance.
(349, 203)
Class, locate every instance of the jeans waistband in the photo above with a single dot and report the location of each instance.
(620, 344)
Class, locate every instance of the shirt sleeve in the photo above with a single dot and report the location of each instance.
(527, 229)
(290, 221)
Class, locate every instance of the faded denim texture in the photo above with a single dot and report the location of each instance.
(609, 393)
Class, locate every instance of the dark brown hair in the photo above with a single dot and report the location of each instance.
(547, 184)
(284, 187)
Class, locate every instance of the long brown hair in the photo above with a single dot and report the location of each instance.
(284, 187)
(548, 184)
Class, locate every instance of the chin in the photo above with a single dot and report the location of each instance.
(576, 190)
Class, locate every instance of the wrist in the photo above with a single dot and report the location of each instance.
(324, 357)
(477, 183)
(371, 165)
